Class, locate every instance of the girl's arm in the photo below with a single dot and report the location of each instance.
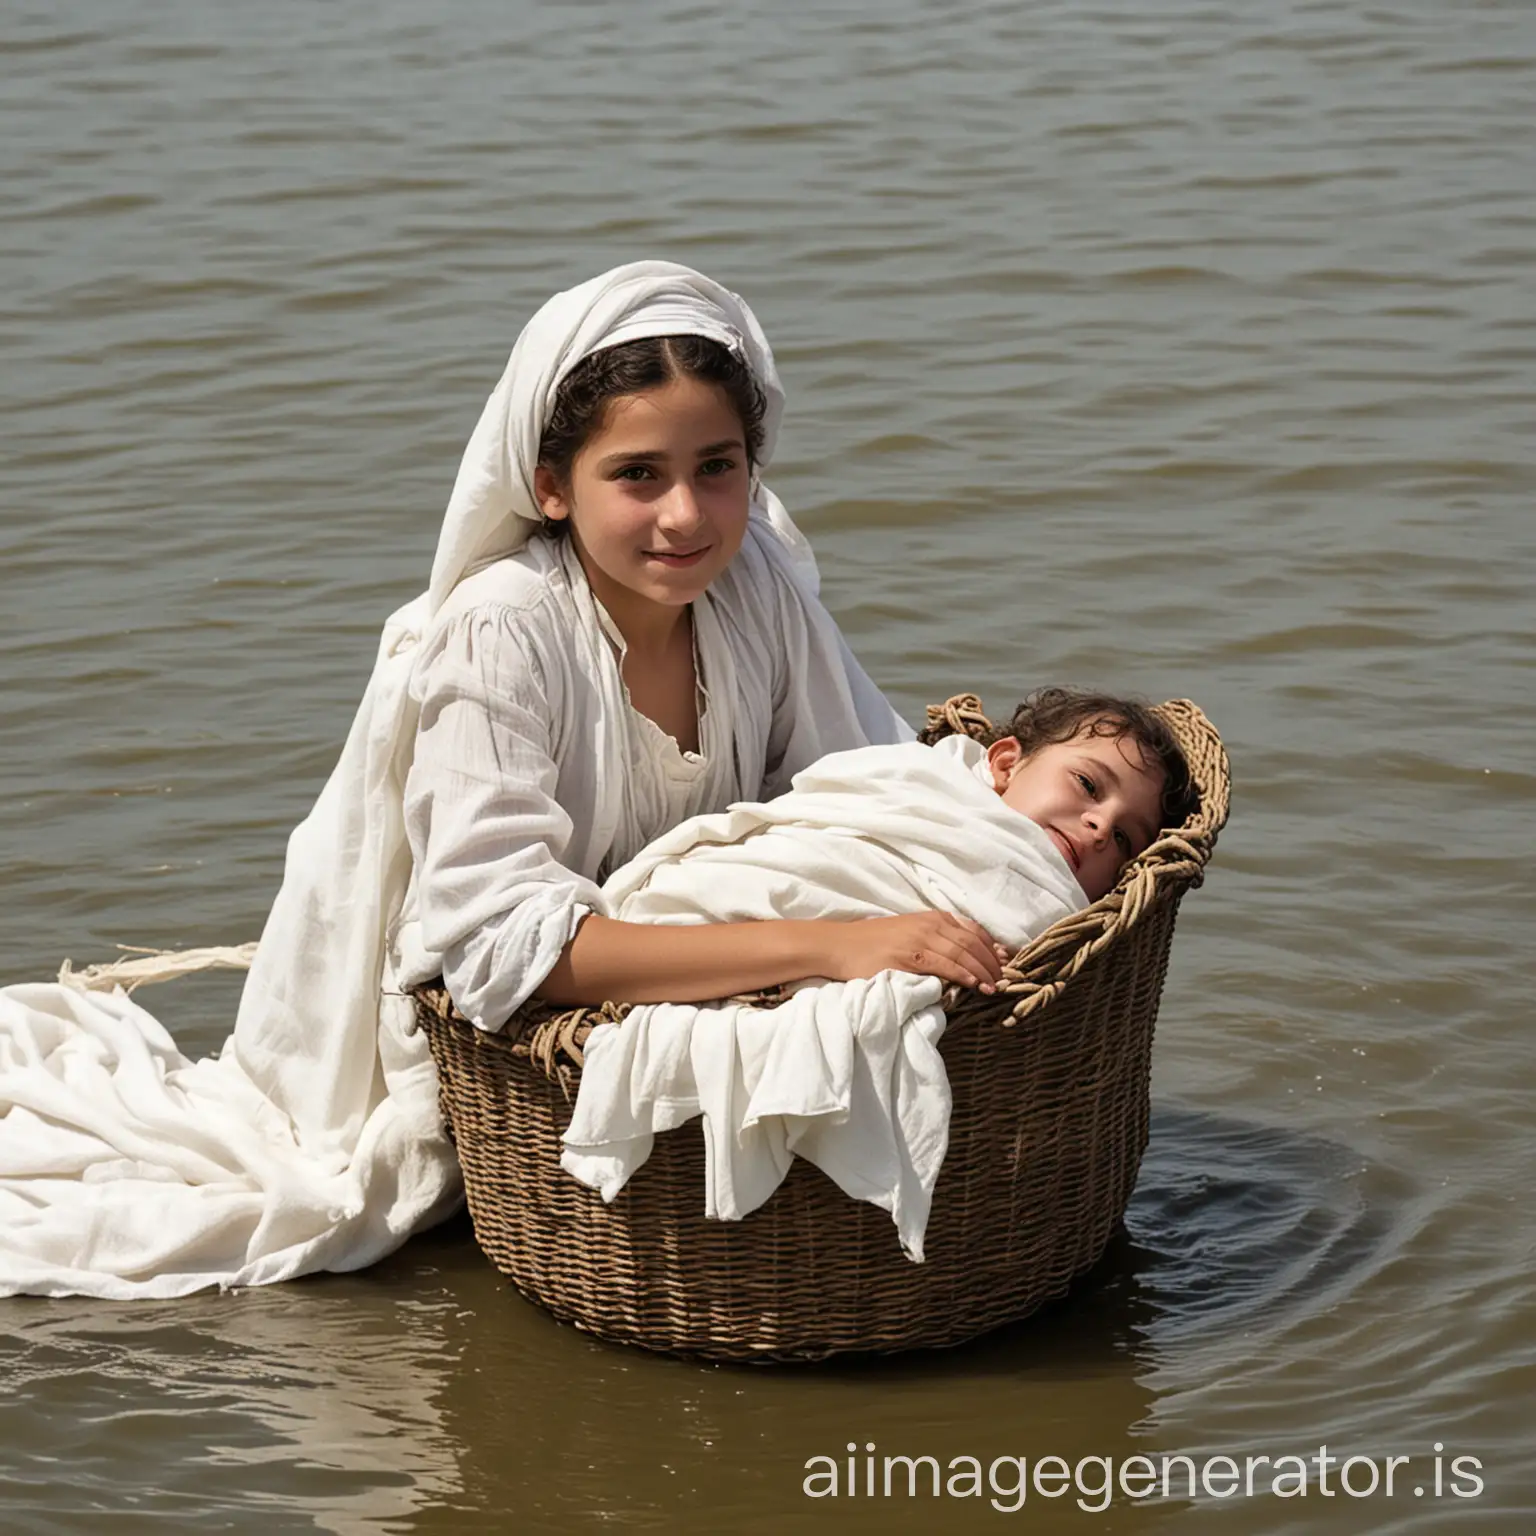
(492, 845)
(653, 963)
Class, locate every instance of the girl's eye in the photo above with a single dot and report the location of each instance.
(633, 473)
(1122, 842)
(1087, 783)
(717, 466)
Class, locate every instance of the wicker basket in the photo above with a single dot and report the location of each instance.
(1050, 1086)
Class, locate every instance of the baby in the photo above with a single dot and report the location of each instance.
(1099, 775)
(927, 836)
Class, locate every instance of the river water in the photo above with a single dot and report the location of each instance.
(1172, 347)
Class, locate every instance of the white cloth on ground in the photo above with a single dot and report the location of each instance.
(313, 1140)
(845, 1074)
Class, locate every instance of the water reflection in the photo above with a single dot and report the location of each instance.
(313, 1403)
(1234, 1229)
(425, 1395)
(570, 1432)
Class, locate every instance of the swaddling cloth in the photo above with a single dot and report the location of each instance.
(846, 1074)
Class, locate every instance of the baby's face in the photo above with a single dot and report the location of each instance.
(1094, 796)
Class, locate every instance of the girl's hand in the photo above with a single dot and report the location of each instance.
(926, 943)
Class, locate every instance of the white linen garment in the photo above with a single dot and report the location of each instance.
(845, 1074)
(313, 1140)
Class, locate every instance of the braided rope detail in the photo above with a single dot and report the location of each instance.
(552, 1040)
(961, 715)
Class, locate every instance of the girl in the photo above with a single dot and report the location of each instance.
(659, 656)
(532, 719)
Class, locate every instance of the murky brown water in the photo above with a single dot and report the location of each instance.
(1177, 347)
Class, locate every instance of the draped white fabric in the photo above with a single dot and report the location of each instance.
(313, 1141)
(845, 1074)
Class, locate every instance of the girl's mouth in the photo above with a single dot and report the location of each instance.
(678, 561)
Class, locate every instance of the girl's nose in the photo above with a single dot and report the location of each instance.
(680, 508)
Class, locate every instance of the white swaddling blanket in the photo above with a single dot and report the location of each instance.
(845, 1074)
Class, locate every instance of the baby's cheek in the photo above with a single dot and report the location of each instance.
(1102, 879)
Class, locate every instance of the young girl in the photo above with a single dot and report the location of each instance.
(541, 711)
(659, 655)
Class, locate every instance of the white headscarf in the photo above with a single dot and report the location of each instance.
(320, 1115)
(493, 508)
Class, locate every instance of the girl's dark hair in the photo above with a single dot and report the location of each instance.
(631, 368)
(1058, 714)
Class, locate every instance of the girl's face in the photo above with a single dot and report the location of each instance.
(1096, 797)
(658, 496)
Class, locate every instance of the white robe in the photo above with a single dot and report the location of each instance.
(313, 1140)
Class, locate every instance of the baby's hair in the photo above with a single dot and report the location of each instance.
(1058, 714)
(631, 368)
